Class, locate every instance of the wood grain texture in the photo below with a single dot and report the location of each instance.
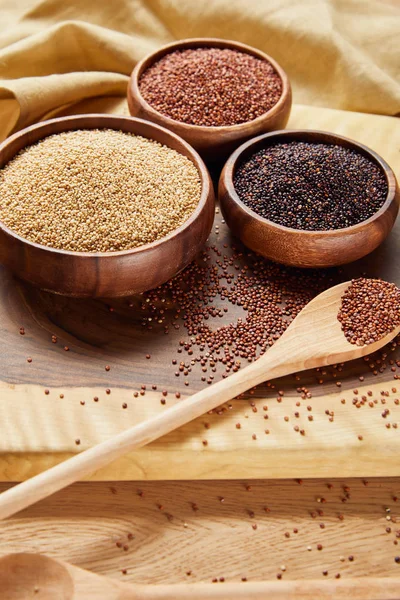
(213, 143)
(24, 575)
(87, 274)
(196, 531)
(301, 248)
(40, 430)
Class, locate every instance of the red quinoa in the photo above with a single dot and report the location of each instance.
(211, 87)
(370, 310)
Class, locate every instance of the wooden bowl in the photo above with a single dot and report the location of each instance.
(213, 143)
(107, 274)
(302, 248)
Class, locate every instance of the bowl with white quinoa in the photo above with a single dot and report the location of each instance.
(101, 205)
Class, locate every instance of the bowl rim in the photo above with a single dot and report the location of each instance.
(205, 42)
(227, 177)
(193, 156)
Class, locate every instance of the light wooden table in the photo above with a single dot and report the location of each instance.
(198, 531)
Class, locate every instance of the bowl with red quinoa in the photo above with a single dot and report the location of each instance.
(101, 205)
(213, 93)
(308, 198)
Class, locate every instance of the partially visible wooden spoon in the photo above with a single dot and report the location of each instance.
(313, 339)
(38, 577)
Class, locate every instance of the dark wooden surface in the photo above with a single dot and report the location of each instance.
(306, 248)
(107, 274)
(98, 337)
(212, 142)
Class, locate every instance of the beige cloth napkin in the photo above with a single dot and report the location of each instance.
(59, 56)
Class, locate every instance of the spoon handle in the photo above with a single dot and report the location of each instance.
(368, 588)
(85, 463)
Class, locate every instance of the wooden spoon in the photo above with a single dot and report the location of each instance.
(313, 339)
(38, 577)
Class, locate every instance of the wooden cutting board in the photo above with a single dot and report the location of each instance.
(48, 404)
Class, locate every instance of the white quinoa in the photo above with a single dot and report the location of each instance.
(97, 190)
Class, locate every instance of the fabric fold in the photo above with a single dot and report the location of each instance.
(341, 54)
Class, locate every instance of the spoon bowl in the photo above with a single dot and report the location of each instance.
(28, 576)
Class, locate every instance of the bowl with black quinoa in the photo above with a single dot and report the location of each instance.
(308, 198)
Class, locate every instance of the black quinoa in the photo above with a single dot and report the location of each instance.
(311, 186)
